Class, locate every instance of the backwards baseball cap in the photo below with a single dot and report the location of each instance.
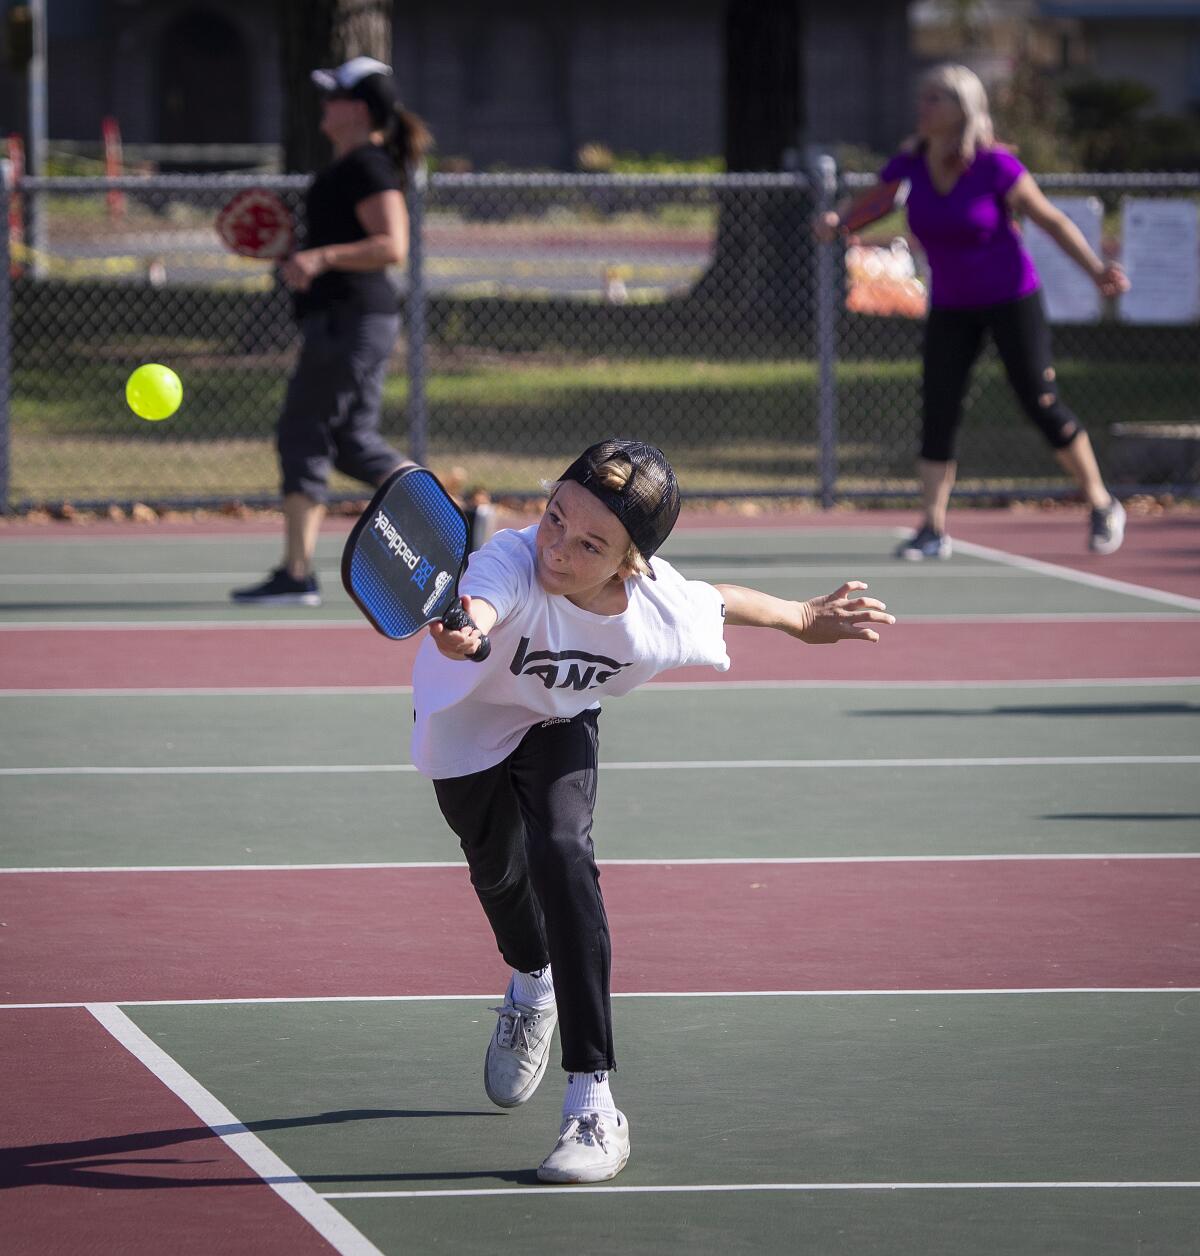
(648, 505)
(365, 79)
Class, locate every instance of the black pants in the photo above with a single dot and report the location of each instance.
(525, 827)
(331, 411)
(953, 340)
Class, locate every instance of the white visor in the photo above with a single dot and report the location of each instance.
(344, 77)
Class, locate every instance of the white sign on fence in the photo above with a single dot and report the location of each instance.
(1069, 293)
(1161, 254)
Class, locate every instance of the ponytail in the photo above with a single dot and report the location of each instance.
(408, 139)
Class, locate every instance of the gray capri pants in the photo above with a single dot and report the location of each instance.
(331, 411)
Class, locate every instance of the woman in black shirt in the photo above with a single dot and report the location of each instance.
(347, 309)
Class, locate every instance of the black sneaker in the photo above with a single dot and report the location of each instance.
(1107, 529)
(279, 589)
(925, 543)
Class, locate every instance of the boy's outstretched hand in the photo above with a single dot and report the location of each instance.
(840, 616)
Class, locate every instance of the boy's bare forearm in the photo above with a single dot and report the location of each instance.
(838, 616)
(751, 608)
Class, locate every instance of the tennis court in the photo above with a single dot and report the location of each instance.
(906, 937)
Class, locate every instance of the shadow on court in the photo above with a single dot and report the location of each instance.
(1125, 816)
(99, 1163)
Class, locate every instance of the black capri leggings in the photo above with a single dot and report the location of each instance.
(953, 340)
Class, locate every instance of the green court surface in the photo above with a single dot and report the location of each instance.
(738, 1105)
(779, 772)
(722, 723)
(180, 578)
(1024, 1122)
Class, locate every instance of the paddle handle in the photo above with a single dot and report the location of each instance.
(457, 620)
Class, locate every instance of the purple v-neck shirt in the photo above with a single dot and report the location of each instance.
(974, 250)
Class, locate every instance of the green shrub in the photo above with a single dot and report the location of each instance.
(1106, 119)
(1104, 104)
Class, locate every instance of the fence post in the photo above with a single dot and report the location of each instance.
(6, 194)
(826, 348)
(418, 401)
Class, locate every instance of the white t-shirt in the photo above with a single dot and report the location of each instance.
(551, 659)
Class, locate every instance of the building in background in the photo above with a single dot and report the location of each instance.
(1152, 42)
(520, 85)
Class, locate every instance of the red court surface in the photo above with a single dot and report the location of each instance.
(81, 1110)
(996, 924)
(1161, 552)
(130, 1149)
(353, 655)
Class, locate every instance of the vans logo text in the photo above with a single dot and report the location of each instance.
(566, 669)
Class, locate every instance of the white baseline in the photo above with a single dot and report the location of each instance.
(664, 765)
(248, 1147)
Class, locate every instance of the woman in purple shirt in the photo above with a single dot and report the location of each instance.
(964, 193)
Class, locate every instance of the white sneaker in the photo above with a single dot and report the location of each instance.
(519, 1051)
(591, 1147)
(1106, 529)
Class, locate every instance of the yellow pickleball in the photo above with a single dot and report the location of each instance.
(153, 392)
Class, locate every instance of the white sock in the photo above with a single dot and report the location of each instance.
(534, 989)
(588, 1092)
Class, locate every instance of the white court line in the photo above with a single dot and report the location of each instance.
(716, 861)
(1078, 577)
(334, 1228)
(853, 570)
(688, 765)
(163, 625)
(1056, 617)
(1182, 615)
(216, 625)
(261, 691)
(668, 686)
(68, 579)
(617, 994)
(541, 1192)
(694, 571)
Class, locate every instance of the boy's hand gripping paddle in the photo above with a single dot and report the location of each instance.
(404, 556)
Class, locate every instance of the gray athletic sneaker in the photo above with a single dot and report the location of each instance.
(925, 543)
(591, 1147)
(519, 1051)
(1107, 529)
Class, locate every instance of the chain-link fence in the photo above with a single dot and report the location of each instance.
(544, 312)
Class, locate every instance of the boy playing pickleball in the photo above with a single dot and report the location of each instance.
(577, 608)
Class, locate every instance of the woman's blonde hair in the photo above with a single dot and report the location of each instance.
(969, 92)
(614, 475)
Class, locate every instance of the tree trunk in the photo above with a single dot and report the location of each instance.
(763, 246)
(315, 34)
(763, 107)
